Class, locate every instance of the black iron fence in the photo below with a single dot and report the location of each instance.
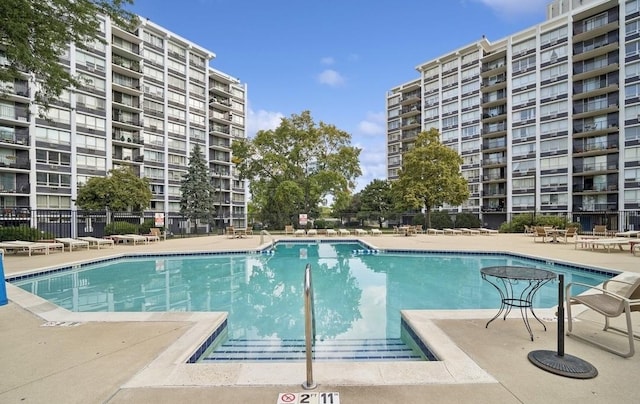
(52, 223)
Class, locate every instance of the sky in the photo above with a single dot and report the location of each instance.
(336, 59)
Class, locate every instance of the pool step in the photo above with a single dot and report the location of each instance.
(393, 349)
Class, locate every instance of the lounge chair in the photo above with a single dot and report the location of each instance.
(419, 229)
(130, 238)
(97, 242)
(434, 231)
(376, 232)
(610, 304)
(331, 232)
(465, 230)
(288, 229)
(312, 232)
(606, 243)
(24, 246)
(361, 232)
(484, 230)
(344, 232)
(299, 233)
(72, 243)
(452, 231)
(628, 233)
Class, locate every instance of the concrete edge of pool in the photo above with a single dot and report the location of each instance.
(170, 369)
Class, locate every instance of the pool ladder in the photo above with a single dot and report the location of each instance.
(309, 327)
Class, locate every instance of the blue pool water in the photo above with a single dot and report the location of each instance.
(356, 295)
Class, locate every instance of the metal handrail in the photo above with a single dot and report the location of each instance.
(309, 327)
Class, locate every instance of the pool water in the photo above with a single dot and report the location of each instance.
(356, 295)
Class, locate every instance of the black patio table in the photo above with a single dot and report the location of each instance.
(504, 278)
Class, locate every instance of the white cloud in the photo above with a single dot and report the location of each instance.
(262, 120)
(327, 60)
(331, 78)
(515, 8)
(373, 125)
(370, 137)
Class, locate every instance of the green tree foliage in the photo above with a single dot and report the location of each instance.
(121, 190)
(35, 33)
(198, 195)
(377, 200)
(295, 166)
(430, 176)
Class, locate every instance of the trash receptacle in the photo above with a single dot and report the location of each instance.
(3, 286)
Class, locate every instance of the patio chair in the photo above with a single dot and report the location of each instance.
(288, 229)
(539, 232)
(611, 305)
(431, 230)
(312, 232)
(344, 232)
(376, 232)
(529, 230)
(299, 233)
(571, 232)
(331, 232)
(361, 232)
(600, 230)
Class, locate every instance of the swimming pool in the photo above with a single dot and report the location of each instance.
(358, 295)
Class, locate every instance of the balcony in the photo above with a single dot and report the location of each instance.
(496, 161)
(594, 167)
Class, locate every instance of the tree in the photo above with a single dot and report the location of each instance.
(377, 200)
(121, 190)
(34, 34)
(197, 201)
(292, 168)
(430, 176)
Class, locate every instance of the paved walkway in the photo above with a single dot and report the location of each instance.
(118, 361)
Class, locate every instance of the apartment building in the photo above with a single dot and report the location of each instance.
(546, 120)
(148, 97)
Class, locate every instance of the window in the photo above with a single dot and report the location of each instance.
(178, 160)
(177, 82)
(522, 184)
(53, 180)
(553, 108)
(153, 90)
(154, 173)
(471, 73)
(470, 116)
(176, 50)
(524, 132)
(90, 102)
(632, 154)
(554, 90)
(201, 120)
(451, 93)
(150, 72)
(153, 123)
(554, 36)
(177, 66)
(53, 202)
(449, 108)
(523, 166)
(89, 61)
(470, 102)
(173, 112)
(523, 201)
(153, 107)
(632, 28)
(59, 115)
(177, 129)
(524, 115)
(470, 57)
(52, 136)
(153, 57)
(523, 47)
(553, 72)
(91, 142)
(632, 48)
(554, 181)
(554, 199)
(522, 150)
(470, 87)
(524, 64)
(553, 163)
(632, 175)
(177, 98)
(632, 133)
(196, 89)
(523, 98)
(91, 162)
(632, 91)
(632, 70)
(632, 6)
(153, 156)
(152, 139)
(153, 39)
(554, 145)
(471, 131)
(524, 81)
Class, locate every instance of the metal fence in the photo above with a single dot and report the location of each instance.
(52, 223)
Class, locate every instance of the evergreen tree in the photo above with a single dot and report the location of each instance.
(197, 201)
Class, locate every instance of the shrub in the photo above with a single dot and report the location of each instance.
(440, 220)
(468, 220)
(24, 233)
(120, 228)
(420, 218)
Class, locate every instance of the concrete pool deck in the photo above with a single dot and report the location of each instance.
(111, 361)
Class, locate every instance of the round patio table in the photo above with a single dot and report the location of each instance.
(505, 278)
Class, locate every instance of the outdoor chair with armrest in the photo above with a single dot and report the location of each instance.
(611, 305)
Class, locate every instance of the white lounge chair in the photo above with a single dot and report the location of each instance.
(465, 230)
(376, 232)
(72, 243)
(434, 231)
(344, 232)
(97, 242)
(312, 232)
(360, 232)
(606, 243)
(452, 231)
(130, 238)
(24, 246)
(299, 233)
(629, 233)
(331, 232)
(484, 230)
